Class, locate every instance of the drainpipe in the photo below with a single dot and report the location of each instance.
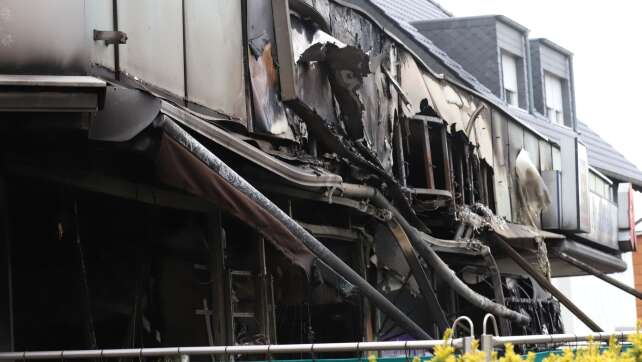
(319, 250)
(431, 257)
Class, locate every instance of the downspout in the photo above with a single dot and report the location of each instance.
(324, 254)
(431, 257)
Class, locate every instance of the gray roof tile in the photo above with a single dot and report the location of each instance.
(413, 10)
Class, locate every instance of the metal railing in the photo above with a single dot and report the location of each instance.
(312, 348)
(488, 343)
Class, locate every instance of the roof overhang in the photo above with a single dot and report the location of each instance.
(51, 93)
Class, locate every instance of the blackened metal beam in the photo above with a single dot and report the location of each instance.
(498, 291)
(589, 269)
(543, 281)
(426, 288)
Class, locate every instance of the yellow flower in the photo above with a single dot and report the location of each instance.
(510, 355)
(445, 352)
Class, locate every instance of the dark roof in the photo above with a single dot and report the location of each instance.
(413, 10)
(607, 159)
(477, 19)
(601, 154)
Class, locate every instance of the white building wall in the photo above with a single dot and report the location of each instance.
(611, 308)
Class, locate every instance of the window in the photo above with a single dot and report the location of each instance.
(600, 187)
(509, 75)
(554, 99)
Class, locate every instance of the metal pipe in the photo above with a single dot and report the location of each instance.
(315, 246)
(229, 350)
(589, 269)
(431, 257)
(543, 281)
(301, 348)
(560, 338)
(498, 290)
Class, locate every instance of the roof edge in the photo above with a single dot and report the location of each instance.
(552, 45)
(501, 18)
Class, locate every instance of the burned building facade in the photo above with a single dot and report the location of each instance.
(248, 172)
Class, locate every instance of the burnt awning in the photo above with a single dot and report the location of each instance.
(180, 168)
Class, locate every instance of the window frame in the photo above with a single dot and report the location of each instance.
(554, 114)
(514, 93)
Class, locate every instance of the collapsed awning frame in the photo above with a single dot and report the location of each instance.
(319, 250)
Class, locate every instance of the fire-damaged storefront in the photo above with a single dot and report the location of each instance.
(193, 173)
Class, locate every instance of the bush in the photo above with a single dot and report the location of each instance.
(591, 353)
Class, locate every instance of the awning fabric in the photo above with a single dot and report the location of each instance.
(178, 167)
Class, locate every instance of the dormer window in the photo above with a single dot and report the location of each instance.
(554, 98)
(509, 76)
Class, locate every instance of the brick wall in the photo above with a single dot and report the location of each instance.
(637, 275)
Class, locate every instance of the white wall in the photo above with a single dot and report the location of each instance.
(608, 306)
